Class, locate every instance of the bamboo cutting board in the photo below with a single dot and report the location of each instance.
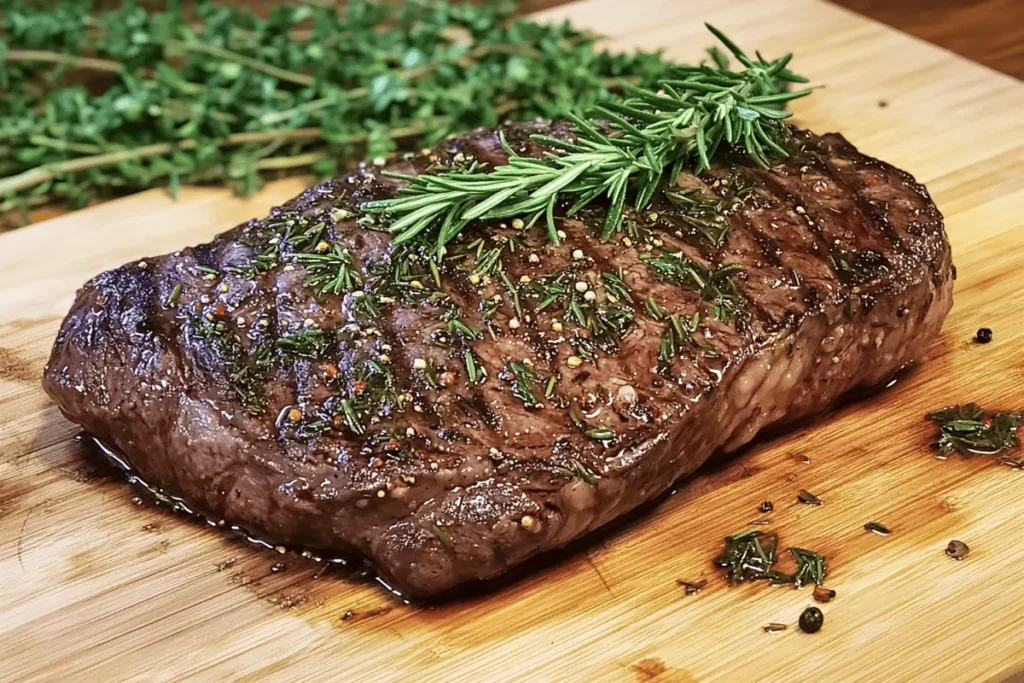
(94, 587)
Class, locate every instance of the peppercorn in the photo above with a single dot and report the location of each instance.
(811, 620)
(983, 336)
(957, 550)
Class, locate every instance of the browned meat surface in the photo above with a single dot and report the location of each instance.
(350, 420)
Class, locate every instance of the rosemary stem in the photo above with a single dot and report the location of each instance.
(41, 174)
(61, 58)
(219, 52)
(13, 204)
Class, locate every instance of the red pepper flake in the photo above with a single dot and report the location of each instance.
(294, 414)
(220, 309)
(337, 422)
(447, 378)
(393, 445)
(585, 333)
(331, 370)
(360, 386)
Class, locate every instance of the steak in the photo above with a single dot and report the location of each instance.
(310, 381)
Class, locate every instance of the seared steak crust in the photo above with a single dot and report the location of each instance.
(846, 277)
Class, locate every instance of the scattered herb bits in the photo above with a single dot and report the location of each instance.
(748, 556)
(811, 620)
(774, 628)
(766, 507)
(876, 528)
(983, 336)
(958, 550)
(808, 498)
(969, 429)
(692, 587)
(811, 567)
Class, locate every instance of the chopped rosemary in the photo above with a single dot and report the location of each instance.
(648, 133)
(616, 287)
(475, 373)
(309, 344)
(523, 378)
(514, 292)
(442, 536)
(748, 556)
(970, 429)
(715, 286)
(677, 333)
(331, 272)
(654, 310)
(751, 556)
(811, 567)
(702, 213)
(577, 470)
(808, 498)
(172, 300)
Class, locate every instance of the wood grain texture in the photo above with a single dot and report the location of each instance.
(96, 588)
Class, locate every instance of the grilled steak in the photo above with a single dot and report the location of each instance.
(303, 377)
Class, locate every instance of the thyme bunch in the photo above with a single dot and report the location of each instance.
(103, 103)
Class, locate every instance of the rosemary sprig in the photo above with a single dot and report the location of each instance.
(970, 429)
(647, 134)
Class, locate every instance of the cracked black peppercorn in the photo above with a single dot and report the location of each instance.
(811, 620)
(983, 336)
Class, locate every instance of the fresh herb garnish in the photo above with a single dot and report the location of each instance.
(692, 587)
(877, 528)
(751, 556)
(810, 567)
(475, 372)
(577, 470)
(309, 344)
(616, 287)
(969, 429)
(808, 498)
(442, 536)
(523, 378)
(647, 134)
(654, 310)
(221, 94)
(702, 213)
(716, 287)
(748, 556)
(331, 272)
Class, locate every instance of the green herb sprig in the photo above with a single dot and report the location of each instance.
(648, 137)
(969, 429)
(226, 96)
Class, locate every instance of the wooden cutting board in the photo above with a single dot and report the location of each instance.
(95, 587)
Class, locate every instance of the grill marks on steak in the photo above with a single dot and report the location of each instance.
(846, 278)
